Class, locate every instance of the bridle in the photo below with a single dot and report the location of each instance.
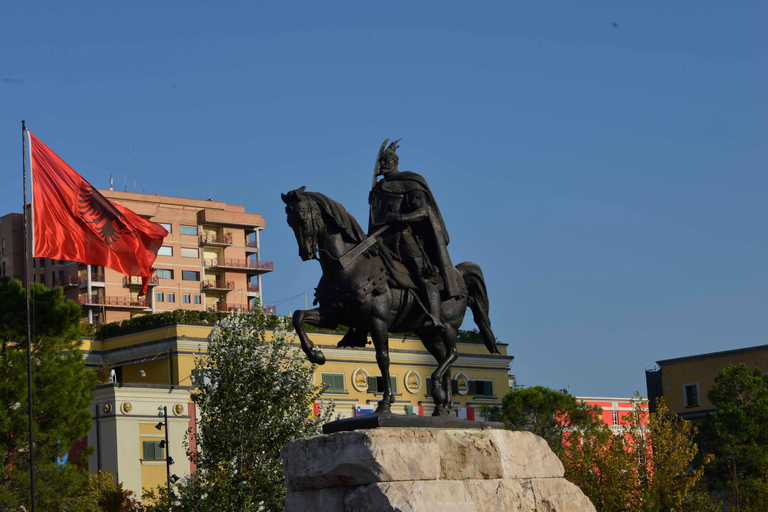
(304, 209)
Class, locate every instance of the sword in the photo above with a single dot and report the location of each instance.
(376, 167)
(360, 248)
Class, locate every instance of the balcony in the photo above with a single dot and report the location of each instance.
(136, 281)
(115, 302)
(217, 240)
(96, 279)
(223, 307)
(66, 281)
(217, 286)
(253, 288)
(250, 246)
(257, 267)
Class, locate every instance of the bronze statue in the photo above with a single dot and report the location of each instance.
(398, 278)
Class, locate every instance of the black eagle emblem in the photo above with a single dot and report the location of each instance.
(100, 215)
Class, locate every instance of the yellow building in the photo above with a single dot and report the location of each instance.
(210, 260)
(685, 381)
(154, 369)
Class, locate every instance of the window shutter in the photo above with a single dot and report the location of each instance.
(454, 386)
(393, 383)
(472, 388)
(338, 382)
(159, 451)
(149, 450)
(372, 387)
(327, 381)
(489, 388)
(429, 386)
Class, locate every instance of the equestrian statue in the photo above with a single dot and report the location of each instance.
(396, 278)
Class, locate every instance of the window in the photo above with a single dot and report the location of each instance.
(164, 273)
(333, 382)
(171, 297)
(186, 298)
(691, 394)
(615, 415)
(166, 226)
(481, 388)
(165, 251)
(3, 246)
(376, 384)
(152, 451)
(189, 275)
(42, 279)
(187, 252)
(188, 230)
(198, 299)
(159, 297)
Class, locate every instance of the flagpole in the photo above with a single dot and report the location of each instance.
(29, 324)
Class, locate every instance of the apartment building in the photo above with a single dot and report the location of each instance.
(210, 260)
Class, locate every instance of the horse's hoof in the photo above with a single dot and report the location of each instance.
(317, 356)
(383, 407)
(440, 411)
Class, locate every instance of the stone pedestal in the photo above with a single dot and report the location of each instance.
(427, 470)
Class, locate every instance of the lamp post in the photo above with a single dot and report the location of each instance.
(164, 444)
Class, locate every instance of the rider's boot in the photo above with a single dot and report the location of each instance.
(432, 320)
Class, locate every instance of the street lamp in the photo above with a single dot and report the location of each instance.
(164, 444)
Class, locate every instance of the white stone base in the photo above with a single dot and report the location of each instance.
(427, 470)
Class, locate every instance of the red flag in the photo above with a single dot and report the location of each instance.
(74, 222)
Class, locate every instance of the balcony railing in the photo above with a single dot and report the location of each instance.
(216, 239)
(66, 281)
(223, 307)
(136, 281)
(237, 263)
(251, 243)
(95, 278)
(253, 288)
(218, 285)
(124, 302)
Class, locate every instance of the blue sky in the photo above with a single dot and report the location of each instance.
(604, 162)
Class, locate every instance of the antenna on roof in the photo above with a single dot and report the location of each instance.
(134, 166)
(110, 181)
(125, 175)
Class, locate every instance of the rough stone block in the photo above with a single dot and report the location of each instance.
(501, 495)
(525, 455)
(466, 454)
(440, 496)
(318, 500)
(362, 457)
(559, 495)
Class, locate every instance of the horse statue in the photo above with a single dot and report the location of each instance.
(358, 290)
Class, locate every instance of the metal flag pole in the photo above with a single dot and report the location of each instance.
(29, 323)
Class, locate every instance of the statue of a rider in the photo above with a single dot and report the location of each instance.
(415, 234)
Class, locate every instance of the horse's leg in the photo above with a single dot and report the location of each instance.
(434, 344)
(380, 337)
(442, 374)
(311, 317)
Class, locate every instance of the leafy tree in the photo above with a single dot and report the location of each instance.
(255, 396)
(547, 413)
(104, 495)
(665, 451)
(736, 435)
(61, 396)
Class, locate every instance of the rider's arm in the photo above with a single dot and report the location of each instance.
(419, 208)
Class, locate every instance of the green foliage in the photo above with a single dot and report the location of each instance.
(106, 496)
(736, 435)
(154, 320)
(256, 397)
(61, 396)
(648, 466)
(547, 413)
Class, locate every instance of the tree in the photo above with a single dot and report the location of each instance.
(547, 413)
(735, 434)
(665, 451)
(61, 396)
(253, 397)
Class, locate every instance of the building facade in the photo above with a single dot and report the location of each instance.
(685, 381)
(617, 412)
(153, 369)
(210, 260)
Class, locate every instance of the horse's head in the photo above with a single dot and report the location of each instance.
(303, 219)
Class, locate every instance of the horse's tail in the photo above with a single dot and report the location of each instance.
(478, 302)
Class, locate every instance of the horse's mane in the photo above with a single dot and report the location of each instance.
(345, 222)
